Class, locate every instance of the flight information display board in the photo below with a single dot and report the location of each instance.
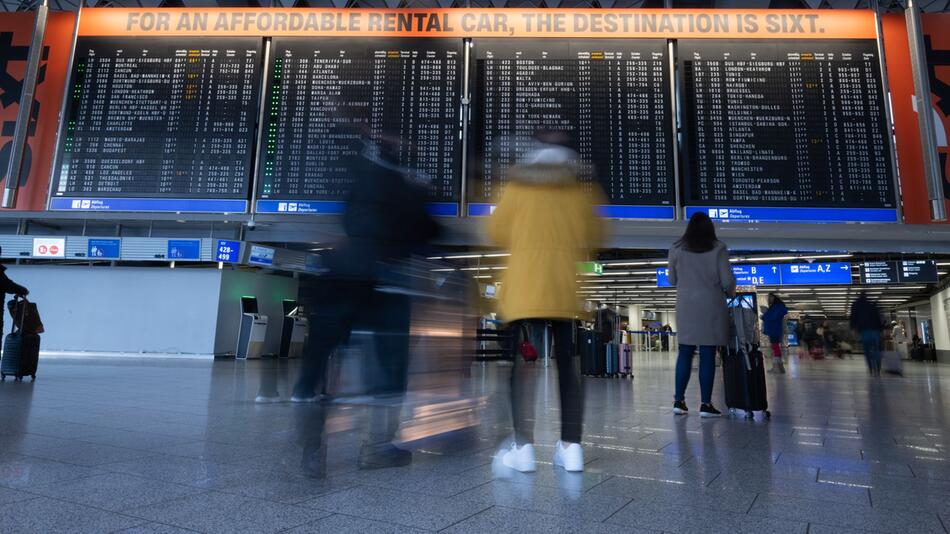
(321, 92)
(159, 125)
(786, 130)
(610, 97)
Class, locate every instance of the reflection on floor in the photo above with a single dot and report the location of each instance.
(105, 445)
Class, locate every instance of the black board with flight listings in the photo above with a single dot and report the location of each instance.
(785, 130)
(158, 124)
(322, 92)
(610, 98)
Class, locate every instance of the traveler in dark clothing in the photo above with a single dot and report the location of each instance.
(9, 287)
(773, 326)
(385, 221)
(866, 321)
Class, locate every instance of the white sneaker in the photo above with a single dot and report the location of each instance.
(264, 399)
(520, 459)
(299, 399)
(571, 457)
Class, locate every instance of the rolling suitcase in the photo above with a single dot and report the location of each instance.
(743, 365)
(612, 353)
(21, 348)
(626, 360)
(591, 362)
(891, 362)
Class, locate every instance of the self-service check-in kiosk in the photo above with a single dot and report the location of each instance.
(293, 331)
(253, 330)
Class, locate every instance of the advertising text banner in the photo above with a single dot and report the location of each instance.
(561, 23)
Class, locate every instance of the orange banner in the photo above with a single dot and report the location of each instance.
(16, 30)
(586, 23)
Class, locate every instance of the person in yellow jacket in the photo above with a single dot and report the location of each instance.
(546, 219)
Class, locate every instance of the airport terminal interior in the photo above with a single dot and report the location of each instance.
(439, 266)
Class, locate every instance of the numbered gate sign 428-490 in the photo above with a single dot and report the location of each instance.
(228, 251)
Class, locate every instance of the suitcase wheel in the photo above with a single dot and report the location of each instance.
(33, 379)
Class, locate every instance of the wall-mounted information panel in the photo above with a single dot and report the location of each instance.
(159, 125)
(319, 93)
(786, 130)
(610, 97)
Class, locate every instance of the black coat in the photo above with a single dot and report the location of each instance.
(385, 221)
(865, 315)
(8, 286)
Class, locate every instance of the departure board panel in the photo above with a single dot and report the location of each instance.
(789, 125)
(610, 97)
(327, 96)
(159, 124)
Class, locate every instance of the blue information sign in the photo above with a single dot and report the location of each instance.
(796, 274)
(228, 251)
(799, 215)
(184, 249)
(769, 274)
(173, 205)
(757, 275)
(261, 255)
(104, 249)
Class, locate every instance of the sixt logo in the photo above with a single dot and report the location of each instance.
(10, 90)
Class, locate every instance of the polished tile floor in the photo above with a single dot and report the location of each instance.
(167, 446)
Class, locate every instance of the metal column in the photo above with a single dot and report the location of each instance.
(928, 136)
(24, 114)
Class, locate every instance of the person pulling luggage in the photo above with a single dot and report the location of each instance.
(773, 322)
(9, 287)
(866, 321)
(700, 271)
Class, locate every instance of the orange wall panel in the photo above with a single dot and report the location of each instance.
(16, 30)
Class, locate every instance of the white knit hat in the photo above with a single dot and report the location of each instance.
(546, 154)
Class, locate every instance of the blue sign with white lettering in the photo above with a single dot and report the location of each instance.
(228, 251)
(757, 275)
(798, 215)
(173, 205)
(261, 256)
(184, 249)
(104, 249)
(769, 274)
(798, 274)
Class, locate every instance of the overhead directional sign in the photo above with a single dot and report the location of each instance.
(773, 274)
(808, 274)
(899, 272)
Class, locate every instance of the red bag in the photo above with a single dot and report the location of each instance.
(526, 349)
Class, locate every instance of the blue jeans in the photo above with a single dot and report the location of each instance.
(871, 339)
(707, 371)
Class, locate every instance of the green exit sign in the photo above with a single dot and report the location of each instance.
(590, 267)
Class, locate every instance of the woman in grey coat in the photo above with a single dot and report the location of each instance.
(700, 271)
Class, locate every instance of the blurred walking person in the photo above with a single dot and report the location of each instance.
(385, 221)
(700, 270)
(867, 323)
(773, 326)
(546, 220)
